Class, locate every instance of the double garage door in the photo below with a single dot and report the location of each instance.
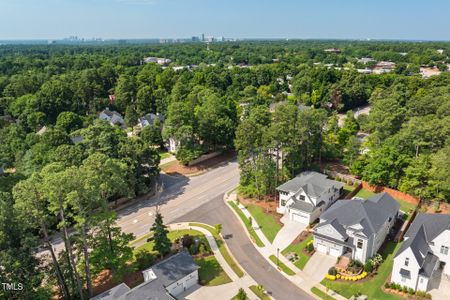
(328, 250)
(300, 218)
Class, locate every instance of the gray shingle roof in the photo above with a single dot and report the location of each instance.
(424, 229)
(303, 206)
(371, 213)
(114, 293)
(428, 265)
(167, 272)
(313, 183)
(150, 118)
(174, 268)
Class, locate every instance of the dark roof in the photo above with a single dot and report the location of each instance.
(313, 183)
(167, 272)
(371, 213)
(303, 206)
(111, 113)
(174, 268)
(424, 229)
(150, 118)
(428, 265)
(150, 290)
(405, 273)
(114, 293)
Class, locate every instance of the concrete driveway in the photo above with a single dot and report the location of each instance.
(440, 287)
(318, 265)
(288, 232)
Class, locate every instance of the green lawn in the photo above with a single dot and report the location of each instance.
(259, 292)
(163, 155)
(250, 229)
(172, 235)
(298, 248)
(282, 266)
(363, 193)
(210, 272)
(267, 222)
(222, 248)
(321, 294)
(348, 189)
(372, 287)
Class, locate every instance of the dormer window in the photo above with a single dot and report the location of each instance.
(406, 262)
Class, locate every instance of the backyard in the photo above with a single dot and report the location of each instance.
(298, 249)
(373, 286)
(405, 206)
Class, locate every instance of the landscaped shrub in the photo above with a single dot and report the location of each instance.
(330, 277)
(144, 259)
(411, 291)
(332, 271)
(368, 267)
(203, 249)
(387, 285)
(310, 247)
(193, 249)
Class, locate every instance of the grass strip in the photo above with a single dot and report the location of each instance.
(246, 221)
(281, 265)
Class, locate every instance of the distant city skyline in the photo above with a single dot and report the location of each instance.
(147, 19)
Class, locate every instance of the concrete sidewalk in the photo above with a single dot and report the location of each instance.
(224, 291)
(301, 279)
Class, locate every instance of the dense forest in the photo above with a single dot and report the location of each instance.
(275, 103)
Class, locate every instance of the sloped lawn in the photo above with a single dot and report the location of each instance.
(269, 226)
(298, 249)
(372, 287)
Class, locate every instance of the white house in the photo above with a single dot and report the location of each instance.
(307, 195)
(163, 281)
(113, 117)
(356, 227)
(424, 253)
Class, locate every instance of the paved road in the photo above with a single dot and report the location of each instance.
(216, 211)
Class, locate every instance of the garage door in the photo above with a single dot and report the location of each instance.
(322, 248)
(300, 218)
(177, 289)
(335, 252)
(190, 282)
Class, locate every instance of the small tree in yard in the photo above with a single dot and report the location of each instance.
(162, 242)
(218, 228)
(241, 295)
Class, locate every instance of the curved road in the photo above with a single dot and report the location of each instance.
(216, 211)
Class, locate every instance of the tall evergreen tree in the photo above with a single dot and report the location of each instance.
(162, 242)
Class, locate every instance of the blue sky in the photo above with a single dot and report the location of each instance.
(376, 19)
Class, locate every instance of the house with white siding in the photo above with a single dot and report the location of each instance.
(356, 227)
(307, 195)
(424, 255)
(163, 281)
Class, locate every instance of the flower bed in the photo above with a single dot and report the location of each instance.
(346, 278)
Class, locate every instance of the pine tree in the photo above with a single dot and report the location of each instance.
(162, 242)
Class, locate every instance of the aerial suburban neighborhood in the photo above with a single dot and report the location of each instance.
(294, 150)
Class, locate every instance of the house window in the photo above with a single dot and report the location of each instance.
(444, 250)
(406, 261)
(302, 197)
(283, 202)
(359, 244)
(403, 279)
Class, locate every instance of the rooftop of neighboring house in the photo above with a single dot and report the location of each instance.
(371, 214)
(313, 183)
(150, 118)
(424, 229)
(166, 273)
(110, 113)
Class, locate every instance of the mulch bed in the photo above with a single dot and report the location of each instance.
(176, 168)
(104, 281)
(444, 208)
